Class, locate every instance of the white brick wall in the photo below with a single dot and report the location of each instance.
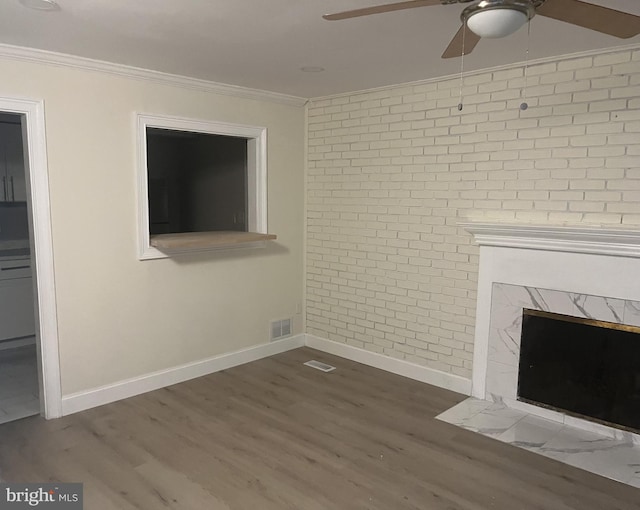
(391, 173)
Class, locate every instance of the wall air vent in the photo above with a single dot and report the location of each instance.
(280, 329)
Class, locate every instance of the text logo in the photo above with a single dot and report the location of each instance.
(49, 496)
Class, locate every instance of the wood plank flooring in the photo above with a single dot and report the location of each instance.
(274, 434)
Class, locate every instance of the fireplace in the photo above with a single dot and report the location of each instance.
(583, 276)
(585, 367)
(584, 272)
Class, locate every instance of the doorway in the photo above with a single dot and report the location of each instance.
(19, 387)
(31, 347)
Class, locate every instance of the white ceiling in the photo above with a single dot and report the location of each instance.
(263, 44)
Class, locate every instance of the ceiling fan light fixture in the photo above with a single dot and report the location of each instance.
(492, 19)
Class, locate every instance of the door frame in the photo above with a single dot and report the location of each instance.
(42, 254)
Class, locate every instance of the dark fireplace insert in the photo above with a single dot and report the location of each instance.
(583, 367)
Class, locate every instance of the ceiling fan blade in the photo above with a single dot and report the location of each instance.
(455, 46)
(595, 17)
(377, 9)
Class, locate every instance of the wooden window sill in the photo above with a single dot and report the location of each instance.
(201, 241)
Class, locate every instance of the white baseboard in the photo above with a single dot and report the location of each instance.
(411, 370)
(94, 397)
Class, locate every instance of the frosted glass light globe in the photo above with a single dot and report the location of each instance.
(494, 23)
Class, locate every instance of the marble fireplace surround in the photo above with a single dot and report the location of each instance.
(507, 303)
(589, 272)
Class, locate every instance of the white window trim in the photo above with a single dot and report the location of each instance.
(256, 171)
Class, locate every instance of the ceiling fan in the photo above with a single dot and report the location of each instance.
(499, 18)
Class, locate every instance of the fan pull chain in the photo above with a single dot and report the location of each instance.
(464, 33)
(524, 105)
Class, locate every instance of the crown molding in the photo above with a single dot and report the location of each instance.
(476, 72)
(591, 240)
(71, 61)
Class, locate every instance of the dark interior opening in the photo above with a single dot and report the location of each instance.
(581, 366)
(197, 182)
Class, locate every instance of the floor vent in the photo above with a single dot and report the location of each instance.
(318, 365)
(280, 329)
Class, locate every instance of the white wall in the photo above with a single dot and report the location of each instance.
(392, 171)
(120, 317)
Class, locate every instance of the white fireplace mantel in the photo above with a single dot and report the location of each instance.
(595, 240)
(593, 261)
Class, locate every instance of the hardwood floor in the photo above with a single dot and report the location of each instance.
(275, 434)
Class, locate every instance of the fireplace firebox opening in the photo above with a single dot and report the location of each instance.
(583, 367)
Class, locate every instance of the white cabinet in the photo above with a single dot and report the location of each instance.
(17, 317)
(13, 185)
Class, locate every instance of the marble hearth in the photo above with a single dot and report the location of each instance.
(583, 272)
(602, 454)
